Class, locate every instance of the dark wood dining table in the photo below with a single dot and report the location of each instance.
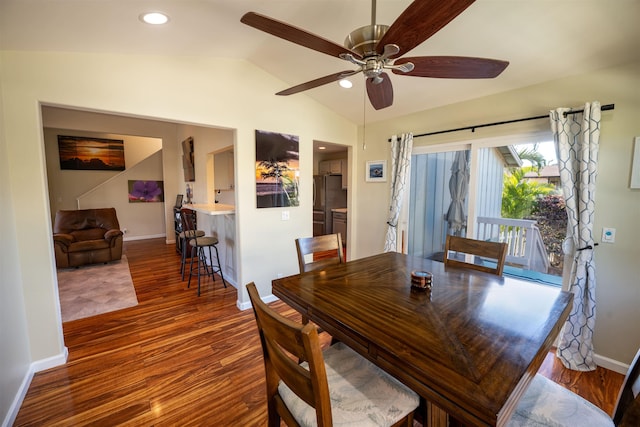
(470, 347)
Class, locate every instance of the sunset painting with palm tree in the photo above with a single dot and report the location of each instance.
(277, 169)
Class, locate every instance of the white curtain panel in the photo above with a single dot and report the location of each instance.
(459, 189)
(577, 137)
(400, 167)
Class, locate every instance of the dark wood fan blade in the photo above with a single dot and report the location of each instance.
(453, 67)
(380, 94)
(419, 21)
(317, 82)
(294, 34)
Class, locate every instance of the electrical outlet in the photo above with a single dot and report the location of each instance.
(285, 215)
(608, 235)
(125, 231)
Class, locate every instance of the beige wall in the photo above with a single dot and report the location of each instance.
(65, 186)
(190, 91)
(618, 292)
(137, 220)
(206, 141)
(71, 189)
(14, 335)
(99, 123)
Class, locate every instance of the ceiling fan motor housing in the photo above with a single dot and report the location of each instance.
(365, 39)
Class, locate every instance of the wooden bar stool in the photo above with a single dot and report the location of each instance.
(199, 244)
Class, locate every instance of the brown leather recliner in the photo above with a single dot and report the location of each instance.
(86, 236)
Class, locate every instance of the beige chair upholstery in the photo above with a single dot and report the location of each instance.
(546, 403)
(496, 252)
(330, 246)
(337, 387)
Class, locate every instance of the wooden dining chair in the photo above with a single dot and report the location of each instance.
(335, 386)
(546, 403)
(328, 250)
(495, 251)
(330, 245)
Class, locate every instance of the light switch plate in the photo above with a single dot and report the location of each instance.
(608, 235)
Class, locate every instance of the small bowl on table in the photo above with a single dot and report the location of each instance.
(421, 280)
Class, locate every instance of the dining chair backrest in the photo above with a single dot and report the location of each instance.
(282, 338)
(496, 252)
(330, 245)
(628, 399)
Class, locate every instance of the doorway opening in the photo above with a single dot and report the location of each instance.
(330, 190)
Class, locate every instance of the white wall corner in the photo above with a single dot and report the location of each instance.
(37, 366)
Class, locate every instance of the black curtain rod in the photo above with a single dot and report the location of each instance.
(473, 128)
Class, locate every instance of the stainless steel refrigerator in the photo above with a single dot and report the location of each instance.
(327, 194)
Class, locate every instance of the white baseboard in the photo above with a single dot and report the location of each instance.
(37, 366)
(151, 236)
(247, 305)
(611, 364)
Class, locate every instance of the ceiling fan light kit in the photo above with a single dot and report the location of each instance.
(375, 48)
(347, 84)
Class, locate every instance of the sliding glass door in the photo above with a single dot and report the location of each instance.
(441, 202)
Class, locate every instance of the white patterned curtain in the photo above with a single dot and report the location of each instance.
(400, 166)
(577, 137)
(459, 189)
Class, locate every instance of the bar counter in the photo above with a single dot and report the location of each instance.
(212, 208)
(219, 220)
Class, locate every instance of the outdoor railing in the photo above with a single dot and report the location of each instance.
(524, 243)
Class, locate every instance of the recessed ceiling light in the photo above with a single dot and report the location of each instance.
(345, 83)
(154, 18)
(322, 147)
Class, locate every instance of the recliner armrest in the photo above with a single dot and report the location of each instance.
(112, 234)
(64, 239)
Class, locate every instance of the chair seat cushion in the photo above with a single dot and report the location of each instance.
(88, 245)
(204, 241)
(546, 403)
(361, 393)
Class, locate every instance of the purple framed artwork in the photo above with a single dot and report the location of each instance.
(141, 191)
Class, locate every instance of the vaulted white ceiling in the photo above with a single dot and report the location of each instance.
(542, 39)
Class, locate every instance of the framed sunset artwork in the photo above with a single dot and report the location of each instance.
(88, 153)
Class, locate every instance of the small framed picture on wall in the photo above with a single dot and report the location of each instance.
(376, 171)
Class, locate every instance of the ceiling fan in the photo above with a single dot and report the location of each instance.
(375, 48)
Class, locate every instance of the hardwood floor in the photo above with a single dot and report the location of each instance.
(179, 359)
